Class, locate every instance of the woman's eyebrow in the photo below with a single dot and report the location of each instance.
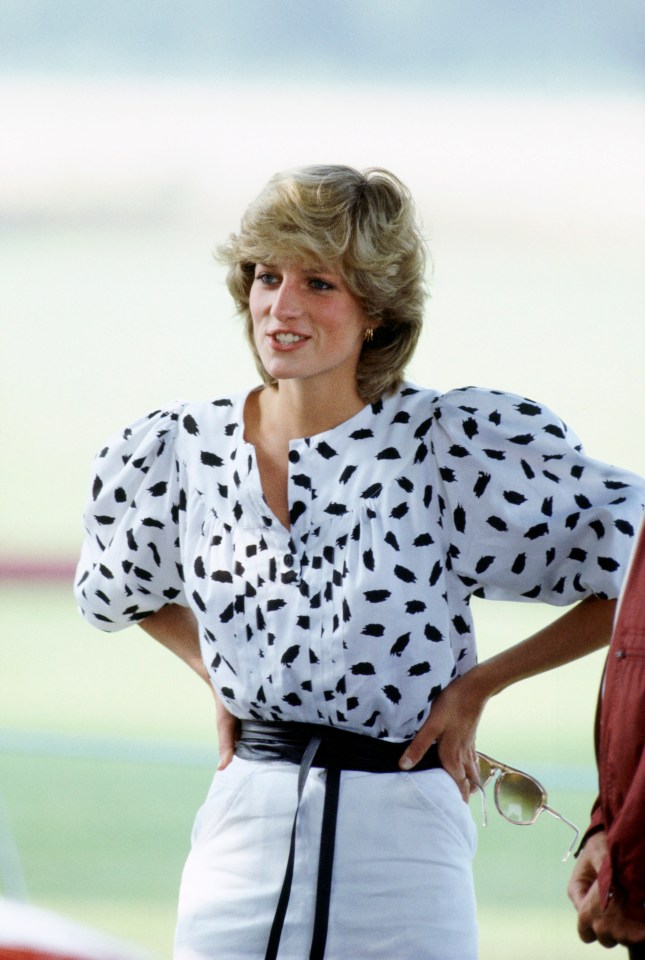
(319, 268)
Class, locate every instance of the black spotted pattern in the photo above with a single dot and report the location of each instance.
(359, 615)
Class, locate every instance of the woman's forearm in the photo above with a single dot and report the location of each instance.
(583, 629)
(176, 629)
(457, 710)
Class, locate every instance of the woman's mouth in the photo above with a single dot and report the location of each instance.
(286, 339)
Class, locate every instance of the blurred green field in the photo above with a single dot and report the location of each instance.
(107, 747)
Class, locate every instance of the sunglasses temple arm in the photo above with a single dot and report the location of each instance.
(479, 787)
(558, 816)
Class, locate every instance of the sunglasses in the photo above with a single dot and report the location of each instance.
(519, 798)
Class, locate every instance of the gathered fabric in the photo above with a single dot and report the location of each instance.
(358, 615)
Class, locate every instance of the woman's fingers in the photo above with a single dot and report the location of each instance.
(227, 733)
(472, 770)
(418, 747)
(458, 759)
(464, 776)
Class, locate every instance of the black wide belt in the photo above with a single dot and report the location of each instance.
(313, 745)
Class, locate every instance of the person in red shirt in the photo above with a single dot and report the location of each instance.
(607, 885)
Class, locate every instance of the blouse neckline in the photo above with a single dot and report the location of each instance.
(355, 421)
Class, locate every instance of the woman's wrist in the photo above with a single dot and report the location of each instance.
(479, 684)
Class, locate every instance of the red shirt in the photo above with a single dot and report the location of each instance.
(620, 747)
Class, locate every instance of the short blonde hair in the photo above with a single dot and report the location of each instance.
(361, 223)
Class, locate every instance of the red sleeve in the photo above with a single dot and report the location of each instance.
(596, 824)
(623, 871)
(622, 747)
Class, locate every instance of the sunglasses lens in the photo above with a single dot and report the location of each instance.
(519, 798)
(485, 769)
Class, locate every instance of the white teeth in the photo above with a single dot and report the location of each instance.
(288, 337)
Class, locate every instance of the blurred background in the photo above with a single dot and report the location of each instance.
(133, 136)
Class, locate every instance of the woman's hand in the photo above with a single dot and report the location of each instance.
(453, 724)
(456, 711)
(227, 733)
(176, 629)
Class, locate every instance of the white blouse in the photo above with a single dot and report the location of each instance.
(358, 615)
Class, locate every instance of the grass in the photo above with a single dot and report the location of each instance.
(107, 748)
(104, 842)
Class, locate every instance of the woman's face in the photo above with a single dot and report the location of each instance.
(306, 323)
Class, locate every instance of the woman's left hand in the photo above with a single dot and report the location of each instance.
(453, 724)
(456, 712)
(228, 728)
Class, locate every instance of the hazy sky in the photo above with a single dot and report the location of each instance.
(134, 134)
(554, 44)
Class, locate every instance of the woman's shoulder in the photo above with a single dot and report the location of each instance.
(476, 399)
(226, 409)
(167, 429)
(473, 400)
(154, 428)
(519, 418)
(468, 397)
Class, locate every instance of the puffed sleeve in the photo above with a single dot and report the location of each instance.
(527, 515)
(130, 564)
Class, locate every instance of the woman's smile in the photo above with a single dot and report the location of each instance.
(287, 340)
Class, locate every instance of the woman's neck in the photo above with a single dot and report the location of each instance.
(295, 411)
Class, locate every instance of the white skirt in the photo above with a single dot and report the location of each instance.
(402, 885)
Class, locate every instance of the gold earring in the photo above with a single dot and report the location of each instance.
(368, 336)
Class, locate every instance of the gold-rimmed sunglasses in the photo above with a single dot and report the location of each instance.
(519, 798)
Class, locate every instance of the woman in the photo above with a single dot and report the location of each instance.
(309, 547)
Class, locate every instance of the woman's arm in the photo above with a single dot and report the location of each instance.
(457, 710)
(176, 629)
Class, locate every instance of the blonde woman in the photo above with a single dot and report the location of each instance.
(309, 547)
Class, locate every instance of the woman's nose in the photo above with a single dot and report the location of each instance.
(287, 302)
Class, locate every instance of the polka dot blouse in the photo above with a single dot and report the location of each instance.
(358, 615)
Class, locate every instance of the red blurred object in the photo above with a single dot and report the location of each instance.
(31, 933)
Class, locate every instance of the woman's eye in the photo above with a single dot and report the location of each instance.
(319, 284)
(266, 278)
